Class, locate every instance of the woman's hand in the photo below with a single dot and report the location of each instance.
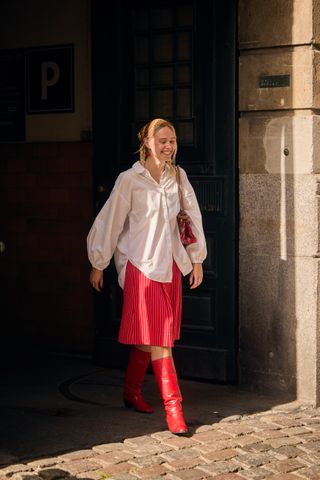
(196, 276)
(96, 279)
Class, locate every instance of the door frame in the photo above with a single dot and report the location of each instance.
(102, 76)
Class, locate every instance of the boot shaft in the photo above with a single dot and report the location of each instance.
(166, 377)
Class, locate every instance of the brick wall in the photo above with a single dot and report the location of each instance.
(46, 212)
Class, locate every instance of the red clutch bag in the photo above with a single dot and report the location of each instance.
(184, 222)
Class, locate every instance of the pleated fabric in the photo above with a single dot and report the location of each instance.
(151, 311)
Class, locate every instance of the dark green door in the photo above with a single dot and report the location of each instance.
(173, 60)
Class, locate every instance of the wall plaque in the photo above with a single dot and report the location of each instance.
(274, 81)
(50, 79)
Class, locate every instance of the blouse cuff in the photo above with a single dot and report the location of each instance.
(196, 258)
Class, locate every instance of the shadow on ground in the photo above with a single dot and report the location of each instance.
(57, 404)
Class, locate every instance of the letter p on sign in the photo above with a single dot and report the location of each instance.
(50, 75)
(50, 79)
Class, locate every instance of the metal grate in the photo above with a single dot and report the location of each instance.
(210, 194)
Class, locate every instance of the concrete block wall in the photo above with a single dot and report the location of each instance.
(279, 197)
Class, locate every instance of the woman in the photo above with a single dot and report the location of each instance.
(138, 224)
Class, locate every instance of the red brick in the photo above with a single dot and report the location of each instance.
(64, 180)
(16, 195)
(17, 180)
(3, 165)
(15, 165)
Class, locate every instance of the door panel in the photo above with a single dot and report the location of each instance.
(177, 62)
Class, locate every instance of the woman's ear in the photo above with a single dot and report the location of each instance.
(146, 143)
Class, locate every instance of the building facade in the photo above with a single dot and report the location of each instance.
(240, 82)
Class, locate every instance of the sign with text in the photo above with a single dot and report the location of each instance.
(274, 81)
(12, 95)
(50, 79)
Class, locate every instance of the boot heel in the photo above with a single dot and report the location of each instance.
(127, 404)
(137, 367)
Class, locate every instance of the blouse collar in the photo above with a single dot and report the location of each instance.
(139, 168)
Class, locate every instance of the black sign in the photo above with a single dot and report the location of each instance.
(274, 81)
(50, 79)
(12, 95)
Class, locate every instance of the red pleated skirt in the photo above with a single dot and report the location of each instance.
(151, 311)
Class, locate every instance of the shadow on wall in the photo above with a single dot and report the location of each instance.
(276, 207)
(279, 243)
(268, 317)
(46, 211)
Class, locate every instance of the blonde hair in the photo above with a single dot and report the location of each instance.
(148, 131)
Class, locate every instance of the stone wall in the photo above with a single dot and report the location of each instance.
(279, 196)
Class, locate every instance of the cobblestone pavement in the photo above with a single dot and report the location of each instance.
(282, 443)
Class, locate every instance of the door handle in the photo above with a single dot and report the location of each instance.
(101, 188)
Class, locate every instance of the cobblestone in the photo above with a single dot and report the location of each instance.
(219, 467)
(150, 472)
(52, 473)
(270, 445)
(11, 469)
(258, 473)
(186, 475)
(286, 466)
(310, 473)
(108, 447)
(183, 463)
(215, 456)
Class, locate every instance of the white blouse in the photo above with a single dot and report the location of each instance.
(138, 222)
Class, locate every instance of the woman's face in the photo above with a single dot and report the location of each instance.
(163, 144)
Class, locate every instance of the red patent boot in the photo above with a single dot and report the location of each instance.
(167, 381)
(137, 367)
